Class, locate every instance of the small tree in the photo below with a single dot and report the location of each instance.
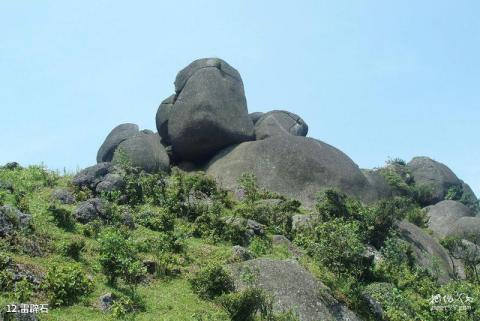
(118, 258)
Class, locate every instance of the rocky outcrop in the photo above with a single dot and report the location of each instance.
(279, 123)
(116, 136)
(427, 251)
(294, 166)
(90, 210)
(210, 110)
(12, 220)
(433, 175)
(63, 196)
(255, 116)
(294, 288)
(162, 117)
(143, 151)
(443, 216)
(378, 183)
(466, 228)
(91, 176)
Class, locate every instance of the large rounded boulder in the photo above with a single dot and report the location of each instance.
(378, 183)
(162, 117)
(292, 288)
(428, 252)
(443, 215)
(279, 123)
(466, 228)
(210, 110)
(143, 151)
(116, 136)
(294, 166)
(433, 175)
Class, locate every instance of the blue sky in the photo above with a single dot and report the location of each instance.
(376, 79)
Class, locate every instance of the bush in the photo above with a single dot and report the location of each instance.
(457, 193)
(337, 244)
(156, 220)
(468, 253)
(212, 281)
(23, 290)
(73, 248)
(332, 204)
(65, 284)
(381, 218)
(247, 304)
(118, 258)
(243, 306)
(397, 261)
(260, 246)
(63, 217)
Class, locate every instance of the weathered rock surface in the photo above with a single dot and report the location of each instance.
(251, 227)
(374, 293)
(294, 166)
(116, 136)
(111, 182)
(444, 214)
(90, 210)
(144, 151)
(12, 220)
(427, 251)
(301, 221)
(293, 287)
(378, 182)
(279, 123)
(255, 116)
(210, 110)
(432, 174)
(466, 228)
(91, 176)
(240, 254)
(63, 196)
(162, 117)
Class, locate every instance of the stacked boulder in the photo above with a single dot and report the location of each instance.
(452, 218)
(433, 175)
(207, 112)
(205, 125)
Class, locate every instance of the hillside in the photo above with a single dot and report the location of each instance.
(226, 215)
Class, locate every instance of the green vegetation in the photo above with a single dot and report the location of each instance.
(162, 245)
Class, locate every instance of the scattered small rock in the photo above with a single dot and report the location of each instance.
(90, 210)
(11, 220)
(63, 196)
(240, 254)
(106, 301)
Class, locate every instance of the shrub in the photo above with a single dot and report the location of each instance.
(457, 193)
(468, 253)
(65, 284)
(23, 290)
(212, 281)
(418, 217)
(63, 217)
(73, 248)
(260, 246)
(332, 204)
(253, 301)
(252, 192)
(397, 260)
(382, 216)
(243, 306)
(156, 220)
(337, 244)
(118, 258)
